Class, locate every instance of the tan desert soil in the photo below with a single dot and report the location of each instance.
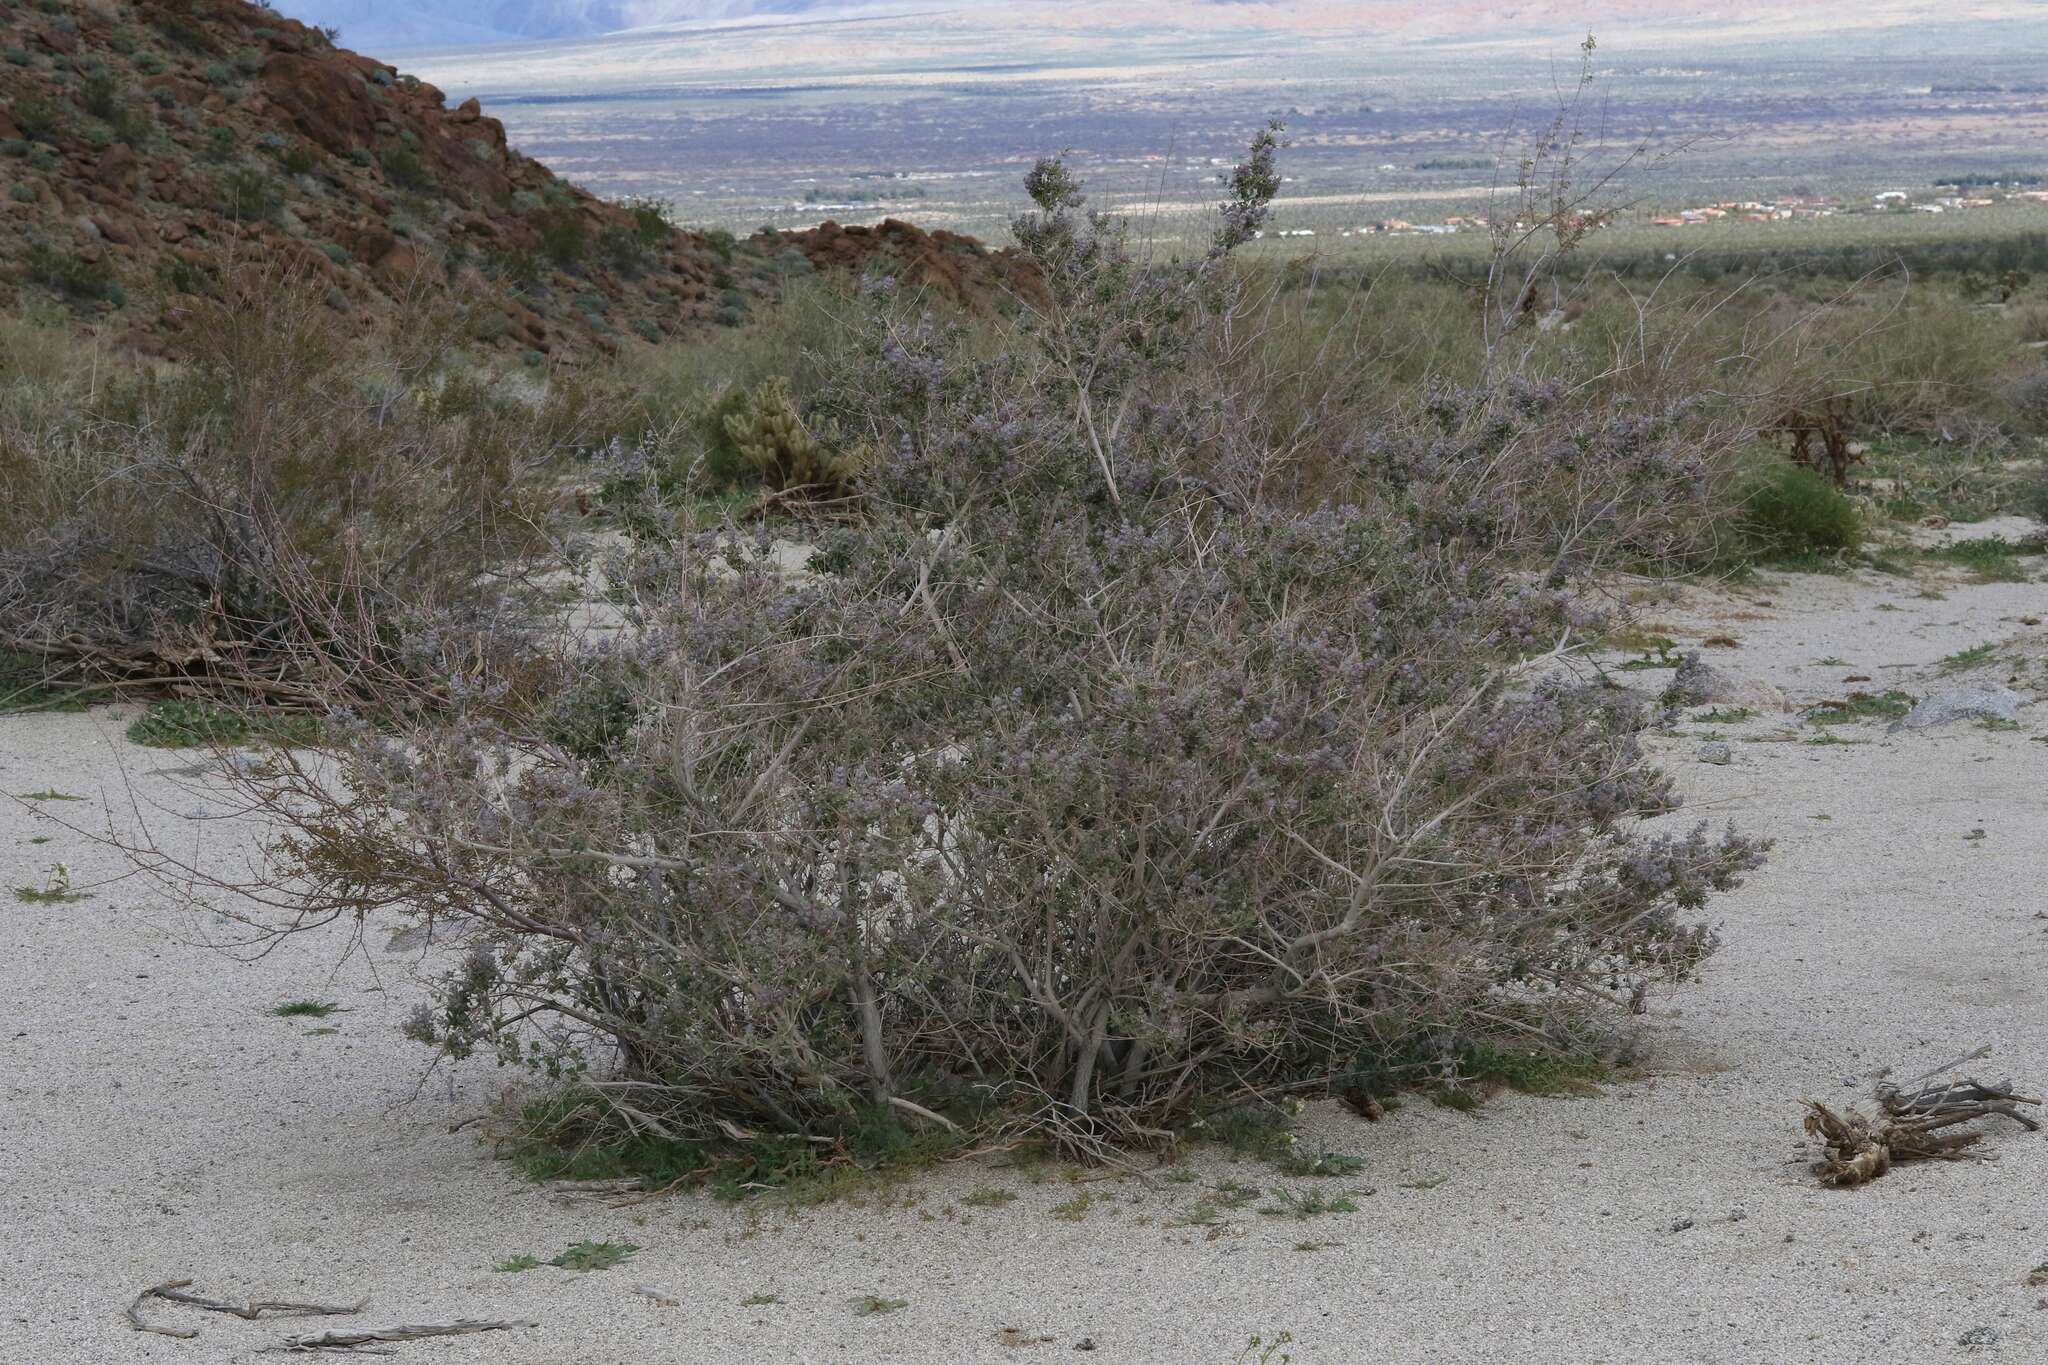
(158, 1122)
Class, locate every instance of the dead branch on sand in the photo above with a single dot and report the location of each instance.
(347, 1339)
(172, 1291)
(1910, 1122)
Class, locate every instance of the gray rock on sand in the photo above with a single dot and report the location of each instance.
(1717, 753)
(1699, 683)
(1964, 703)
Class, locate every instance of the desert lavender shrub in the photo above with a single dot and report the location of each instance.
(1086, 778)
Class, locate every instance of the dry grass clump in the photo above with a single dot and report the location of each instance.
(294, 489)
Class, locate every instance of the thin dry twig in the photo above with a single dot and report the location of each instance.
(350, 1338)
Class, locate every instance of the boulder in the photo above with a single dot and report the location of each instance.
(323, 102)
(1964, 703)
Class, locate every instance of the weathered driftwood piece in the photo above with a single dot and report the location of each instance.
(366, 1336)
(1909, 1124)
(172, 1291)
(134, 1314)
(249, 1312)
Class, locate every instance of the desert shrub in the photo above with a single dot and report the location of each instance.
(100, 95)
(282, 497)
(653, 219)
(2025, 398)
(300, 158)
(783, 450)
(72, 275)
(403, 168)
(2030, 497)
(36, 114)
(2030, 320)
(688, 391)
(622, 249)
(248, 195)
(1792, 510)
(563, 236)
(1088, 778)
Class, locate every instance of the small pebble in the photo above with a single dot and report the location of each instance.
(1979, 1336)
(1681, 1225)
(1716, 753)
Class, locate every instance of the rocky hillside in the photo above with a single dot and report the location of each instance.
(150, 148)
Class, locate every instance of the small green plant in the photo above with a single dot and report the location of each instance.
(306, 1009)
(1990, 559)
(595, 1255)
(1298, 1163)
(49, 895)
(514, 1265)
(1075, 1209)
(1202, 1215)
(1965, 659)
(48, 794)
(988, 1197)
(1790, 512)
(180, 724)
(1861, 706)
(1427, 1182)
(1655, 651)
(1265, 1349)
(1303, 1205)
(759, 1300)
(1234, 1194)
(1725, 715)
(873, 1305)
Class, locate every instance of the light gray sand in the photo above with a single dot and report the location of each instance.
(158, 1123)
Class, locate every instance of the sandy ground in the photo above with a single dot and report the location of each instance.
(160, 1123)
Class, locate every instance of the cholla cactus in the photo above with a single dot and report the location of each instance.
(771, 435)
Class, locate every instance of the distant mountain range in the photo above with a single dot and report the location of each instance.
(386, 27)
(380, 26)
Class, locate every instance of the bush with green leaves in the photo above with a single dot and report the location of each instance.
(1791, 510)
(250, 195)
(1098, 768)
(404, 168)
(72, 275)
(563, 236)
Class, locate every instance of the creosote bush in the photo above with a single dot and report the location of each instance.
(1143, 740)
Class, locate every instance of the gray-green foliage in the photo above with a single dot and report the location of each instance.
(1097, 769)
